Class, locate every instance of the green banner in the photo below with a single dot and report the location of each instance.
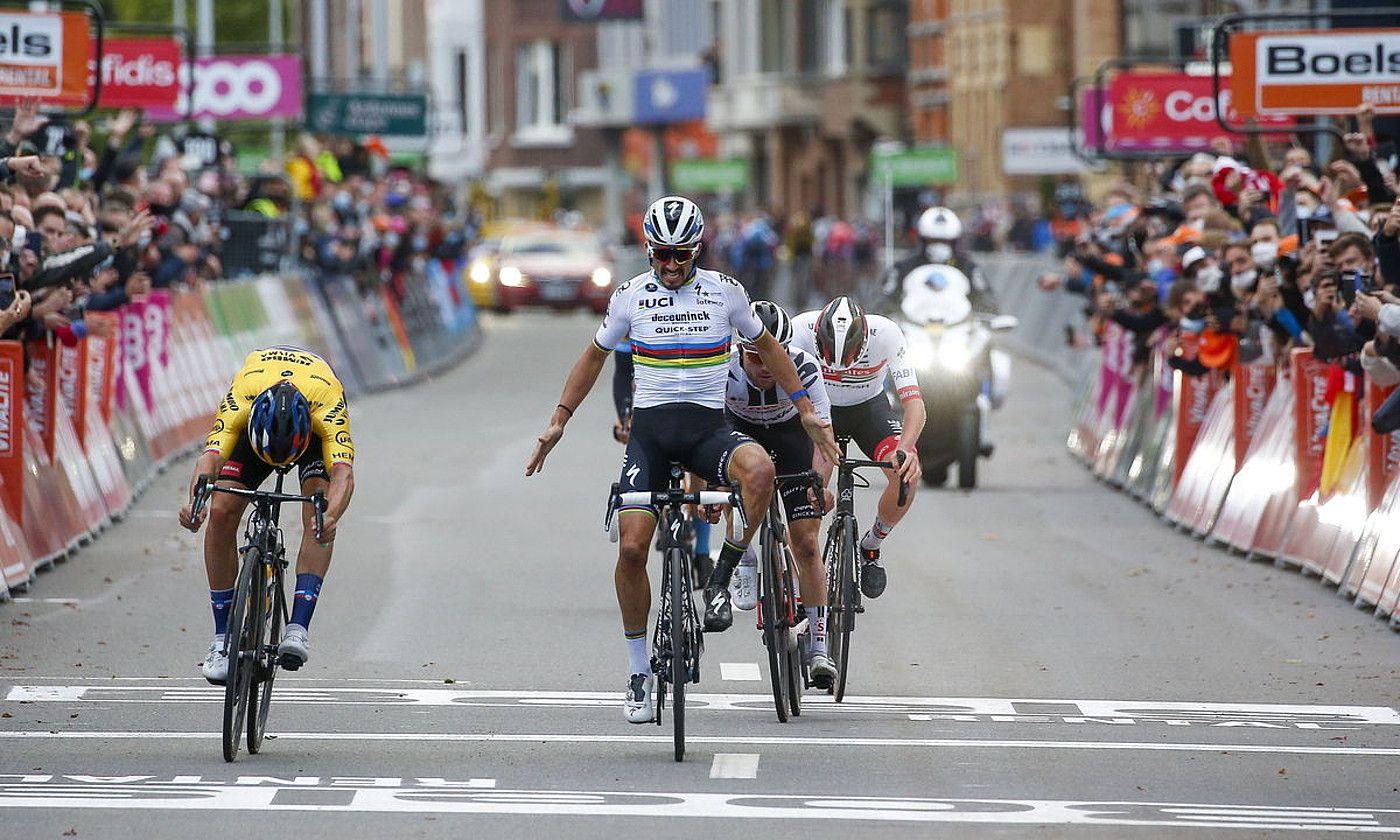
(705, 175)
(915, 168)
(367, 113)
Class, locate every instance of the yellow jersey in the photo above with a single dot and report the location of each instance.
(312, 376)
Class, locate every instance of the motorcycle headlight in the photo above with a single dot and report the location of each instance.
(511, 276)
(601, 277)
(921, 355)
(955, 356)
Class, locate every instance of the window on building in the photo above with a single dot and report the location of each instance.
(540, 107)
(823, 41)
(462, 73)
(772, 29)
(887, 37)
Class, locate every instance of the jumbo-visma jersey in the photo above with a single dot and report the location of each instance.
(680, 338)
(312, 376)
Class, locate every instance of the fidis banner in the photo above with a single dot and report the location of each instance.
(1166, 112)
(1316, 71)
(45, 55)
(240, 87)
(12, 426)
(140, 73)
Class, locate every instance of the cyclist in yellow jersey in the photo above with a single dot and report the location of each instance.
(285, 408)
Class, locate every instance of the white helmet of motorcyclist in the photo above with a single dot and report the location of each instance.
(936, 294)
(939, 224)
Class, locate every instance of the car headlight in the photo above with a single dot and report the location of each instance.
(955, 356)
(601, 277)
(511, 276)
(480, 272)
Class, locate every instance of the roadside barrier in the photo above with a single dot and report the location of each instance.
(86, 427)
(1278, 463)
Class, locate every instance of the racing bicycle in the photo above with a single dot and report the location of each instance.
(259, 610)
(679, 638)
(779, 616)
(841, 555)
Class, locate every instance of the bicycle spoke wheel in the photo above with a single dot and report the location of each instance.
(240, 662)
(260, 699)
(847, 560)
(792, 648)
(770, 604)
(680, 634)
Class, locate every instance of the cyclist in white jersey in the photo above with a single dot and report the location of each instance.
(760, 409)
(859, 352)
(681, 320)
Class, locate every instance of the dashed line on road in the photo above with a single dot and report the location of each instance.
(23, 600)
(739, 672)
(734, 766)
(722, 740)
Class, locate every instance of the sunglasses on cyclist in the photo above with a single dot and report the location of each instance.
(680, 255)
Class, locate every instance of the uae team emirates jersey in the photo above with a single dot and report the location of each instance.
(865, 378)
(680, 338)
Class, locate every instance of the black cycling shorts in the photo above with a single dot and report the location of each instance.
(791, 448)
(869, 424)
(246, 468)
(695, 436)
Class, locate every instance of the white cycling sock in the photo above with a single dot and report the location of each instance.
(637, 658)
(876, 535)
(750, 558)
(816, 623)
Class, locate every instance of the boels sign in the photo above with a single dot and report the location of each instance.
(45, 55)
(1316, 72)
(1166, 112)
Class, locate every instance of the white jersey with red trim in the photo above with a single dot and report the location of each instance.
(883, 355)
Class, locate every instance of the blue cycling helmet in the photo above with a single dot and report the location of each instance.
(279, 427)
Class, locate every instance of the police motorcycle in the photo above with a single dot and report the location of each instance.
(961, 375)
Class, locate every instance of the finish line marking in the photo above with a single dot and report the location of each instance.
(918, 709)
(739, 672)
(52, 793)
(723, 740)
(734, 766)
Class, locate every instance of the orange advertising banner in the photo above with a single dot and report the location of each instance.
(48, 55)
(12, 427)
(1315, 71)
(1313, 413)
(1253, 384)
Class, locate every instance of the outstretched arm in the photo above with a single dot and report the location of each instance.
(581, 380)
(776, 359)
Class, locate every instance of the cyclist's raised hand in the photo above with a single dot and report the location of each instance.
(819, 431)
(543, 444)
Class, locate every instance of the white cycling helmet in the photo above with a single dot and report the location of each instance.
(673, 222)
(939, 223)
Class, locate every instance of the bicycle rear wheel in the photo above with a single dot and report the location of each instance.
(772, 613)
(241, 661)
(680, 662)
(274, 618)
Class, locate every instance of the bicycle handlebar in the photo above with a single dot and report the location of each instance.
(853, 464)
(205, 487)
(669, 497)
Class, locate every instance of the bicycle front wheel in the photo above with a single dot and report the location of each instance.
(273, 619)
(241, 655)
(680, 637)
(792, 646)
(847, 561)
(772, 615)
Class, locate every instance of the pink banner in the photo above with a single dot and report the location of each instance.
(136, 362)
(240, 87)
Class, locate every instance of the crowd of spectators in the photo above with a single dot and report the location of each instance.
(88, 223)
(1233, 257)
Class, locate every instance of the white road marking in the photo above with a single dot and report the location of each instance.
(750, 740)
(46, 600)
(739, 671)
(440, 796)
(918, 709)
(734, 766)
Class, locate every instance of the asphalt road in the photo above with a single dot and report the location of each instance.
(1049, 661)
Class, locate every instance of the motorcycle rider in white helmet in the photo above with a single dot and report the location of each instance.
(939, 230)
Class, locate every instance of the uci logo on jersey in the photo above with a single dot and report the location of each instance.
(653, 303)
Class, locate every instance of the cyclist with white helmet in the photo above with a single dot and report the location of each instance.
(759, 408)
(681, 320)
(285, 409)
(939, 230)
(858, 353)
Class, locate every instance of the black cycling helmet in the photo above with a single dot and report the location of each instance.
(840, 333)
(774, 320)
(279, 425)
